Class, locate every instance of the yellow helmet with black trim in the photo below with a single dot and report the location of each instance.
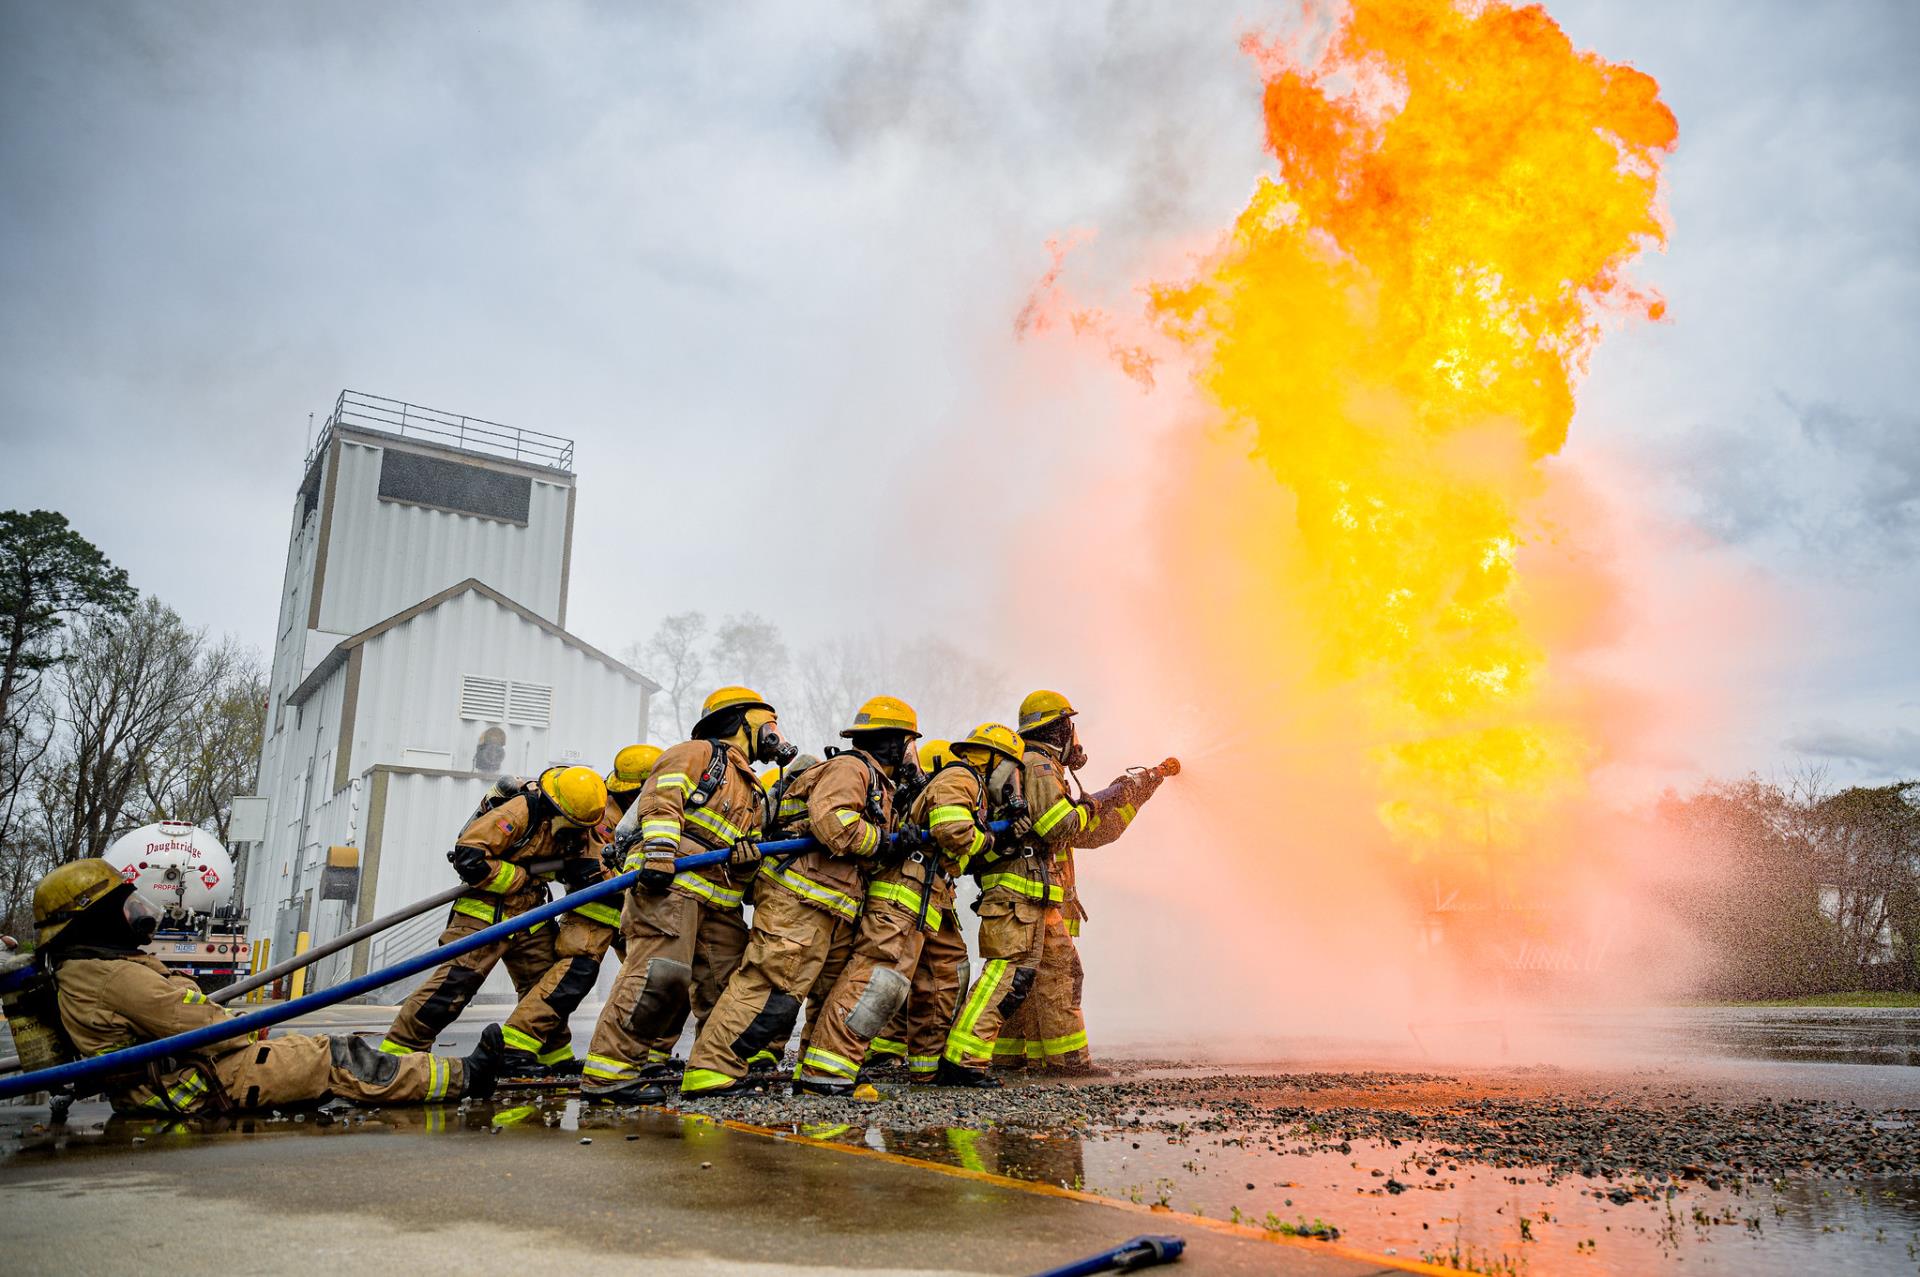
(68, 891)
(885, 714)
(1043, 707)
(997, 737)
(934, 755)
(577, 793)
(631, 767)
(725, 698)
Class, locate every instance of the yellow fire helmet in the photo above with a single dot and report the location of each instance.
(1043, 707)
(724, 699)
(64, 894)
(999, 738)
(631, 767)
(934, 755)
(577, 792)
(769, 778)
(885, 714)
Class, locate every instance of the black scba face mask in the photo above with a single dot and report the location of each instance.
(893, 749)
(769, 746)
(1074, 757)
(143, 917)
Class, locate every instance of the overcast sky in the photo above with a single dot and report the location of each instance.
(785, 243)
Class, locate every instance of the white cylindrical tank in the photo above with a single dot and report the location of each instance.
(176, 866)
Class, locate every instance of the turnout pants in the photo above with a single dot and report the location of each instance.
(539, 1023)
(795, 954)
(1049, 1030)
(681, 951)
(1018, 939)
(529, 956)
(872, 989)
(300, 1068)
(939, 978)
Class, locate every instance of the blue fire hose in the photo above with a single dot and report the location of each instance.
(140, 1053)
(1140, 1252)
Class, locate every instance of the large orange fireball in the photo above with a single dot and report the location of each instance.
(1396, 323)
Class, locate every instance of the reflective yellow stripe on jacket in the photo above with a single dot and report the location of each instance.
(904, 896)
(598, 911)
(806, 888)
(713, 893)
(1027, 887)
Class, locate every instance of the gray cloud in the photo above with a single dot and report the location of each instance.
(1833, 485)
(1893, 751)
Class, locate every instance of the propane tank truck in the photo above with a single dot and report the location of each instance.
(185, 873)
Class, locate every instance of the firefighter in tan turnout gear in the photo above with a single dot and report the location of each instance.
(557, 817)
(1030, 979)
(91, 926)
(684, 929)
(909, 953)
(806, 905)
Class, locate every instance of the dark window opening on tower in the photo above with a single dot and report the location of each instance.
(453, 485)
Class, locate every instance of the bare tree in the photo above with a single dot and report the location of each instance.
(748, 649)
(213, 751)
(122, 689)
(25, 854)
(948, 687)
(675, 657)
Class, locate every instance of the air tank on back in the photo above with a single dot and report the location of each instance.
(181, 868)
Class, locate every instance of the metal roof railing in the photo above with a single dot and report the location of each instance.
(475, 434)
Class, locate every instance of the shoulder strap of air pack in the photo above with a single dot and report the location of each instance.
(711, 778)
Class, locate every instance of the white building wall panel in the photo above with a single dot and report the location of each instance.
(302, 817)
(385, 556)
(410, 691)
(421, 817)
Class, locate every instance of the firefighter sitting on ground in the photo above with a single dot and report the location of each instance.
(91, 925)
(559, 816)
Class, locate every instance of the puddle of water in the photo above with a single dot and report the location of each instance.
(1411, 1202)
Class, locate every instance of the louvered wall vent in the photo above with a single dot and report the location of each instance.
(483, 698)
(498, 700)
(530, 703)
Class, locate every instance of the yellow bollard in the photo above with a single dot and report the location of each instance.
(299, 985)
(261, 952)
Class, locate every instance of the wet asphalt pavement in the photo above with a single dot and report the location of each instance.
(1670, 1156)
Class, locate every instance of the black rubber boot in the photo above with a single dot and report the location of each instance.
(832, 1090)
(636, 1090)
(951, 1074)
(481, 1069)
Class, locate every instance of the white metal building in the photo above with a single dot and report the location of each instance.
(421, 653)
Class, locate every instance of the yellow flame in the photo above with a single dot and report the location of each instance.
(1397, 322)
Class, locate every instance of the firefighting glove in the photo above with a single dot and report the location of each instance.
(581, 871)
(470, 863)
(656, 866)
(654, 881)
(744, 852)
(1020, 826)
